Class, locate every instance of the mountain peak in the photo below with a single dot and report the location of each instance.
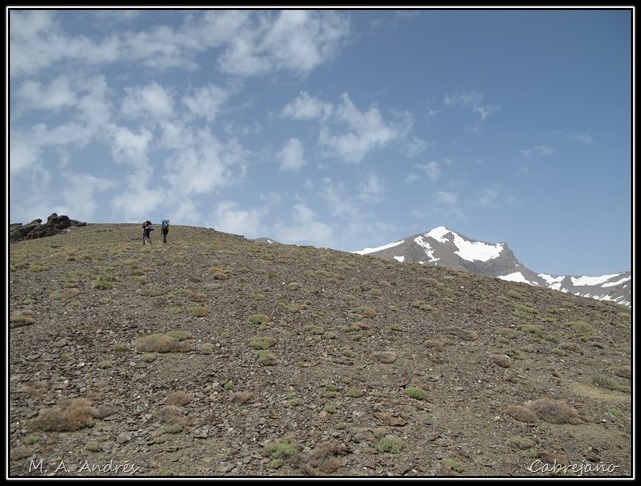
(439, 233)
(446, 248)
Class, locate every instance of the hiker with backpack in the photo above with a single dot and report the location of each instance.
(164, 229)
(146, 232)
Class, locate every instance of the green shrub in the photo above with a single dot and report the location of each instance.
(281, 449)
(198, 311)
(415, 392)
(390, 444)
(262, 342)
(581, 328)
(259, 318)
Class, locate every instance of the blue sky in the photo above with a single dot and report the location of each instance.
(343, 128)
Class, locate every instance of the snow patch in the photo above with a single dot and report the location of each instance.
(384, 247)
(617, 282)
(428, 249)
(551, 279)
(515, 277)
(592, 280)
(467, 250)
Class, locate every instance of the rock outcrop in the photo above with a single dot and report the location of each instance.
(37, 229)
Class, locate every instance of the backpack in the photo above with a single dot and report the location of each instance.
(165, 224)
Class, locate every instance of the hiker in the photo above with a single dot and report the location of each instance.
(146, 232)
(164, 229)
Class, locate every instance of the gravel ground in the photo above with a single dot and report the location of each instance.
(217, 356)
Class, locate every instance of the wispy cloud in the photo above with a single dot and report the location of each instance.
(147, 101)
(576, 136)
(231, 217)
(416, 146)
(304, 228)
(296, 40)
(345, 131)
(252, 42)
(372, 189)
(34, 95)
(582, 137)
(472, 99)
(292, 155)
(543, 150)
(79, 194)
(488, 196)
(432, 169)
(206, 101)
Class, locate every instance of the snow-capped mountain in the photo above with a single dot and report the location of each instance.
(449, 249)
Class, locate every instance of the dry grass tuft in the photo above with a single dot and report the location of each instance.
(435, 344)
(501, 360)
(622, 371)
(323, 460)
(66, 417)
(241, 397)
(155, 343)
(179, 398)
(172, 415)
(262, 342)
(65, 294)
(464, 334)
(521, 413)
(21, 319)
(163, 343)
(385, 356)
(554, 411)
(574, 347)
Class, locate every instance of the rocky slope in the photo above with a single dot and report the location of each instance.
(216, 356)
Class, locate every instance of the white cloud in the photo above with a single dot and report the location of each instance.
(291, 156)
(232, 218)
(303, 39)
(205, 165)
(27, 146)
(371, 190)
(472, 99)
(176, 135)
(23, 153)
(304, 229)
(206, 101)
(416, 146)
(293, 40)
(305, 107)
(543, 150)
(95, 110)
(339, 202)
(345, 131)
(58, 94)
(78, 194)
(136, 201)
(38, 42)
(128, 147)
(253, 42)
(577, 136)
(488, 196)
(145, 101)
(432, 169)
(356, 133)
(447, 199)
(582, 137)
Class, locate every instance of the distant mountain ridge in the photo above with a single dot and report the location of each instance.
(444, 247)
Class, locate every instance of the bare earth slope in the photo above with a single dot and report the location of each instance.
(214, 355)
